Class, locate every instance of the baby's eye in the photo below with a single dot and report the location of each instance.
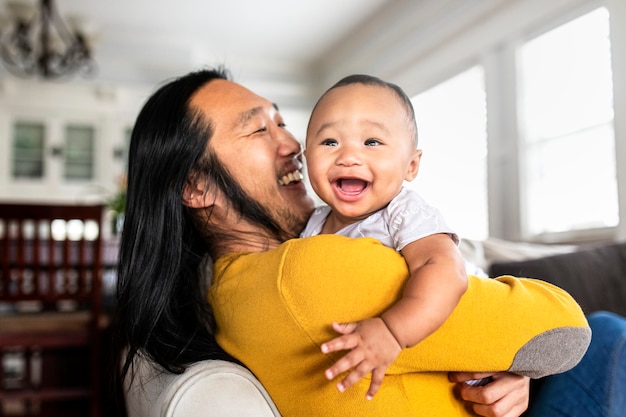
(372, 142)
(329, 142)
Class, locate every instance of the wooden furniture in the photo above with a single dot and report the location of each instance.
(50, 309)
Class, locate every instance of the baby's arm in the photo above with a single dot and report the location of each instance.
(437, 282)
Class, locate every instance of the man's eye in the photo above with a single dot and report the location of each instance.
(329, 142)
(263, 129)
(372, 142)
(282, 124)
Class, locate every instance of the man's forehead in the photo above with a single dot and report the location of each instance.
(226, 96)
(223, 92)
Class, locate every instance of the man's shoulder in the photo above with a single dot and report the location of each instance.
(337, 256)
(330, 278)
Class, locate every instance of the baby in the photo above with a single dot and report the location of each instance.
(361, 145)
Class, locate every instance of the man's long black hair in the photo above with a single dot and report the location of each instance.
(162, 313)
(159, 312)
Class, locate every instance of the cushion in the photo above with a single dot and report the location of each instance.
(210, 388)
(595, 277)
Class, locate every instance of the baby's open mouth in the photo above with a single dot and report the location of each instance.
(352, 185)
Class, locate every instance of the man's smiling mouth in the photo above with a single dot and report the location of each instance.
(295, 176)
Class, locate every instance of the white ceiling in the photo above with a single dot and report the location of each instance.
(145, 41)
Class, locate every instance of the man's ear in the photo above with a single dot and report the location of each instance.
(414, 165)
(195, 195)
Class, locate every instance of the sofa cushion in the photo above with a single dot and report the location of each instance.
(209, 388)
(595, 277)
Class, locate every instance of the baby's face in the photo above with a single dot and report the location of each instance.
(359, 149)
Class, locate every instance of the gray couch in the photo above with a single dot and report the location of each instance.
(594, 276)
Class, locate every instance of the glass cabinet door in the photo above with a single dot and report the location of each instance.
(79, 152)
(33, 154)
(28, 150)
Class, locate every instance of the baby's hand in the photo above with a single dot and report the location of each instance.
(372, 348)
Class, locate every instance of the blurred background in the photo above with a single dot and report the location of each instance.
(520, 103)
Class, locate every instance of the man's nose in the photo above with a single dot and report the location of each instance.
(287, 144)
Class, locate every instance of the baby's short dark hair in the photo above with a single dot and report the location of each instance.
(375, 81)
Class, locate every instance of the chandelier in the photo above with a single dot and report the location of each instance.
(36, 42)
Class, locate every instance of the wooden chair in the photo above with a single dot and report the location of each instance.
(51, 313)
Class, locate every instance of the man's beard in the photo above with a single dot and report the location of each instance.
(292, 223)
(288, 225)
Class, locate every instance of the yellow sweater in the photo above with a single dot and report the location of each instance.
(274, 310)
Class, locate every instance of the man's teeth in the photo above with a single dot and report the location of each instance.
(291, 177)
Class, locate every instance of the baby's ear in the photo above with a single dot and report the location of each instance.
(414, 165)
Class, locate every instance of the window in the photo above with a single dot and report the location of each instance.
(568, 144)
(79, 152)
(451, 123)
(28, 150)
